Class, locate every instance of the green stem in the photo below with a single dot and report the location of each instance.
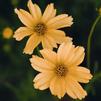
(90, 38)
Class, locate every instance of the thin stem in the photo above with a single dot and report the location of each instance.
(90, 38)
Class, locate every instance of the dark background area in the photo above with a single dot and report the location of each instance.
(16, 73)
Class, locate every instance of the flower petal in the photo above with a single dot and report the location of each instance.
(42, 80)
(76, 89)
(48, 42)
(58, 35)
(57, 87)
(65, 52)
(22, 32)
(33, 41)
(35, 10)
(49, 13)
(49, 55)
(78, 56)
(41, 65)
(25, 17)
(69, 89)
(51, 41)
(60, 21)
(81, 74)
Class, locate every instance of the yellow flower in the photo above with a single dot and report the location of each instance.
(7, 33)
(42, 28)
(100, 10)
(60, 72)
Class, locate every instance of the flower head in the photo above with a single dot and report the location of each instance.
(42, 28)
(60, 72)
(7, 33)
(100, 10)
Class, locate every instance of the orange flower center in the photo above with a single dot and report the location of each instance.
(40, 28)
(61, 70)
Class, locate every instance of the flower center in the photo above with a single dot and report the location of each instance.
(40, 28)
(61, 70)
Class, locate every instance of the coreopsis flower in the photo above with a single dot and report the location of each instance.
(42, 28)
(60, 72)
(100, 10)
(7, 33)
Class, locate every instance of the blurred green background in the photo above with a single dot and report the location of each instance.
(16, 73)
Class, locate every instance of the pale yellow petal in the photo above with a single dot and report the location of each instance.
(51, 40)
(25, 17)
(69, 89)
(57, 87)
(22, 32)
(32, 43)
(81, 74)
(58, 35)
(41, 65)
(53, 14)
(64, 52)
(52, 86)
(60, 21)
(42, 80)
(49, 13)
(35, 10)
(78, 56)
(46, 43)
(82, 69)
(49, 55)
(76, 89)
(68, 39)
